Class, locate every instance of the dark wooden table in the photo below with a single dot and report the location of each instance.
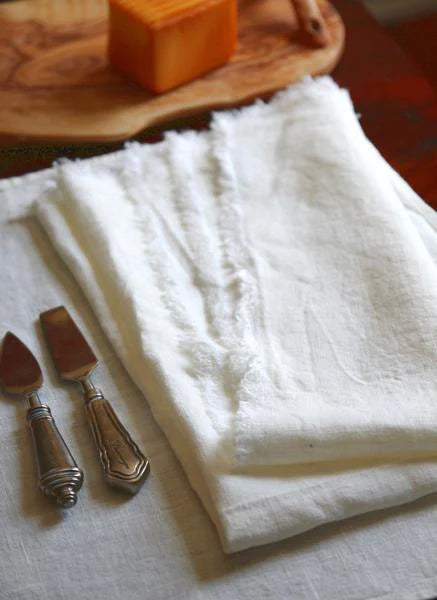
(397, 103)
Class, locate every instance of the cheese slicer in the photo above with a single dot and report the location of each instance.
(58, 473)
(124, 465)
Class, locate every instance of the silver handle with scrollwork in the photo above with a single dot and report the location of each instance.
(123, 463)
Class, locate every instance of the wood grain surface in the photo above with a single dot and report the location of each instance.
(56, 84)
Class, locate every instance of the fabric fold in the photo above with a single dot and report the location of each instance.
(267, 289)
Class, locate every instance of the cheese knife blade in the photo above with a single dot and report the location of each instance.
(58, 473)
(124, 465)
(20, 372)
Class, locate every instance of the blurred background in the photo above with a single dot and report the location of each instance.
(413, 25)
(392, 11)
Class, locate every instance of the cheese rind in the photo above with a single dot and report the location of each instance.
(164, 43)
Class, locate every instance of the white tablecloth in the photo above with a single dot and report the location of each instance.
(160, 543)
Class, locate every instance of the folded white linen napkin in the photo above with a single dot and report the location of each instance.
(267, 291)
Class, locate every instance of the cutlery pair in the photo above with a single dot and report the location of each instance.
(124, 465)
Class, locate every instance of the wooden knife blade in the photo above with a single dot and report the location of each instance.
(19, 370)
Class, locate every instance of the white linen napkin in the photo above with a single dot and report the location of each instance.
(267, 291)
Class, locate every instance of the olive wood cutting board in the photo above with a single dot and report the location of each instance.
(56, 84)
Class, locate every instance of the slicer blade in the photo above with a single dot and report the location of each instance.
(71, 353)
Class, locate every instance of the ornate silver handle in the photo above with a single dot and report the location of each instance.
(58, 473)
(123, 463)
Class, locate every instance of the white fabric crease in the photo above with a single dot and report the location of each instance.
(269, 293)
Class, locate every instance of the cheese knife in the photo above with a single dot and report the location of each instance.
(124, 465)
(58, 473)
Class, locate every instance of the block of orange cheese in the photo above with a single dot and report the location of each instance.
(164, 43)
